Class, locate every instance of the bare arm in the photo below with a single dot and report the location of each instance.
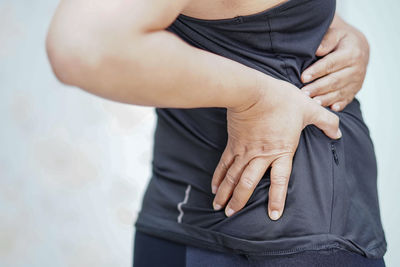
(119, 50)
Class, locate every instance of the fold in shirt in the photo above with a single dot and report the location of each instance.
(332, 197)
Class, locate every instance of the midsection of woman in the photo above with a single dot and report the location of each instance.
(332, 197)
(122, 52)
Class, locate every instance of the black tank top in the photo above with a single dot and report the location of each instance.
(332, 196)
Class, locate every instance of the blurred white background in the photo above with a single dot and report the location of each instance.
(73, 166)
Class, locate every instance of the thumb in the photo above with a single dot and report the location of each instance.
(327, 121)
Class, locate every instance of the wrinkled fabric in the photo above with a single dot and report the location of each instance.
(154, 251)
(332, 199)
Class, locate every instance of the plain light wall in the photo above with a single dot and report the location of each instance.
(73, 166)
(379, 21)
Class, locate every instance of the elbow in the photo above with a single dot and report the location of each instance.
(86, 55)
(58, 61)
(81, 62)
(66, 62)
(72, 51)
(82, 48)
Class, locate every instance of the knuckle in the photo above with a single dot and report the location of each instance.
(247, 182)
(286, 147)
(330, 65)
(275, 203)
(334, 82)
(340, 93)
(265, 148)
(223, 165)
(230, 179)
(279, 179)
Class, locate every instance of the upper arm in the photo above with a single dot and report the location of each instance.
(118, 14)
(81, 29)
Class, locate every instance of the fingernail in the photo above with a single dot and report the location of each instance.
(214, 189)
(336, 107)
(318, 101)
(229, 212)
(306, 92)
(307, 78)
(274, 215)
(217, 206)
(320, 47)
(339, 133)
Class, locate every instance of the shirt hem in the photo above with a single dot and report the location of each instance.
(195, 236)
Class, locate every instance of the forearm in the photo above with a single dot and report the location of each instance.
(157, 69)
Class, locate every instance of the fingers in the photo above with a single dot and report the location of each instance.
(329, 64)
(280, 173)
(329, 98)
(345, 96)
(339, 106)
(229, 182)
(221, 169)
(337, 100)
(251, 176)
(330, 41)
(327, 121)
(329, 83)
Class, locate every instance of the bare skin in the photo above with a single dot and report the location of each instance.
(340, 74)
(120, 50)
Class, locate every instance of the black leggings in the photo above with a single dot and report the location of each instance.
(151, 251)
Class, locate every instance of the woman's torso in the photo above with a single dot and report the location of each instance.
(330, 202)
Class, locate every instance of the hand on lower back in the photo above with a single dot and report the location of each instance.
(266, 134)
(338, 76)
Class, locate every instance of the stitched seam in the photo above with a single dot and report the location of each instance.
(275, 54)
(264, 253)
